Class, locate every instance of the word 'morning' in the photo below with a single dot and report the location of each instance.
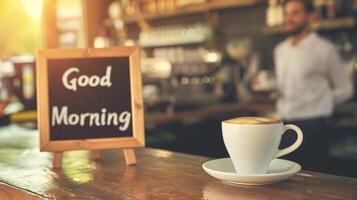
(85, 80)
(102, 118)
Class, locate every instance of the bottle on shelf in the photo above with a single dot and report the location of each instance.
(339, 5)
(354, 6)
(270, 14)
(275, 13)
(320, 7)
(280, 12)
(331, 9)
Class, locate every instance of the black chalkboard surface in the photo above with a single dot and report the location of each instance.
(90, 99)
(96, 102)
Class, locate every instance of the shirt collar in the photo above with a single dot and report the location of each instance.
(305, 41)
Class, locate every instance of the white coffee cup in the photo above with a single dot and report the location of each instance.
(252, 142)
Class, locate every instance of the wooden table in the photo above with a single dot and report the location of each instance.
(25, 173)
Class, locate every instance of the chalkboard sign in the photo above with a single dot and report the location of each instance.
(89, 99)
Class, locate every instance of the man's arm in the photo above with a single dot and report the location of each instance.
(340, 80)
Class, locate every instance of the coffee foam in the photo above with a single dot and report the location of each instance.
(253, 120)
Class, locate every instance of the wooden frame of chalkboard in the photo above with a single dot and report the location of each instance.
(43, 87)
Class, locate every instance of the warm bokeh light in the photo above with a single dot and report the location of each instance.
(78, 166)
(20, 27)
(33, 8)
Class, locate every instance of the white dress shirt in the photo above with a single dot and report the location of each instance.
(311, 78)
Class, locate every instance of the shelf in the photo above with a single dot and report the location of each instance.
(211, 111)
(211, 5)
(172, 44)
(327, 24)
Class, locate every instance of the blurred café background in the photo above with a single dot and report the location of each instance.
(203, 61)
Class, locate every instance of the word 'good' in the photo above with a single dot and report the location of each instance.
(102, 118)
(85, 80)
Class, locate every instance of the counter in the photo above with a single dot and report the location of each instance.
(25, 173)
(259, 104)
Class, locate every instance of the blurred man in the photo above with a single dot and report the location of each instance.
(311, 80)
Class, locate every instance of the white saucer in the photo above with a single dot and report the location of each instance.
(223, 169)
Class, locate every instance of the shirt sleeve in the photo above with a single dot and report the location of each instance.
(340, 80)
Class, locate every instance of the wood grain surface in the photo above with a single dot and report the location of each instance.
(25, 173)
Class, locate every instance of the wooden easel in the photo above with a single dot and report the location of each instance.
(135, 106)
(129, 155)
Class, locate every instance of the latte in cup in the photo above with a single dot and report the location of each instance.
(252, 142)
(253, 120)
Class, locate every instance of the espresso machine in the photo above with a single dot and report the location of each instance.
(179, 78)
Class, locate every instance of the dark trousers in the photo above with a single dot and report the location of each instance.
(312, 154)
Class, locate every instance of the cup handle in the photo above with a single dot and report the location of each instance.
(296, 144)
